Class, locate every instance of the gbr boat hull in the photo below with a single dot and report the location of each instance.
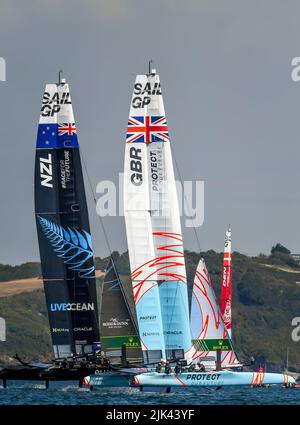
(208, 379)
(211, 379)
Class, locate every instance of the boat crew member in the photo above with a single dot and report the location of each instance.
(200, 367)
(106, 364)
(83, 363)
(158, 367)
(191, 368)
(64, 363)
(178, 368)
(167, 368)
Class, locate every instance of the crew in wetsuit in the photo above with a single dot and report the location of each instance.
(178, 368)
(64, 363)
(200, 367)
(83, 363)
(158, 367)
(191, 368)
(106, 364)
(167, 368)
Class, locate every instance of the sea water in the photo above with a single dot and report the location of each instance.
(61, 393)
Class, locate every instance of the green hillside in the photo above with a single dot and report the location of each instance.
(23, 271)
(266, 298)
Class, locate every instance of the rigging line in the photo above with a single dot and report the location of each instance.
(95, 201)
(72, 289)
(198, 243)
(187, 313)
(125, 298)
(178, 285)
(75, 315)
(185, 198)
(108, 244)
(100, 220)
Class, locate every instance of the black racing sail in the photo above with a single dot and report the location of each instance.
(63, 228)
(119, 336)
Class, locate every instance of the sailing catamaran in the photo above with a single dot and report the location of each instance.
(161, 329)
(153, 227)
(208, 329)
(63, 228)
(65, 243)
(158, 267)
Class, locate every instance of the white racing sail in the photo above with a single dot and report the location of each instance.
(208, 329)
(153, 227)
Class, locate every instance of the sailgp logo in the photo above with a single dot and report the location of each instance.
(72, 307)
(52, 103)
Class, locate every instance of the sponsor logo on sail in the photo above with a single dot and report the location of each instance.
(116, 323)
(151, 334)
(83, 329)
(60, 330)
(156, 169)
(172, 332)
(146, 318)
(65, 169)
(133, 342)
(72, 307)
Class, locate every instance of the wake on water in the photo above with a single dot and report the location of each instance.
(66, 394)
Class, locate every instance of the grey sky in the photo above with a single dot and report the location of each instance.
(232, 108)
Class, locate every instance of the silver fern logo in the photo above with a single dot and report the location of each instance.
(73, 246)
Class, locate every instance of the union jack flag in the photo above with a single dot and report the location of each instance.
(147, 129)
(66, 128)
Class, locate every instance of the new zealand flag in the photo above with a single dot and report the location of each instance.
(52, 136)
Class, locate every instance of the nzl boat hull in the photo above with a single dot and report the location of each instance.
(122, 378)
(211, 379)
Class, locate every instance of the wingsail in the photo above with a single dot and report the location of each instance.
(208, 329)
(153, 227)
(118, 329)
(226, 292)
(63, 228)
